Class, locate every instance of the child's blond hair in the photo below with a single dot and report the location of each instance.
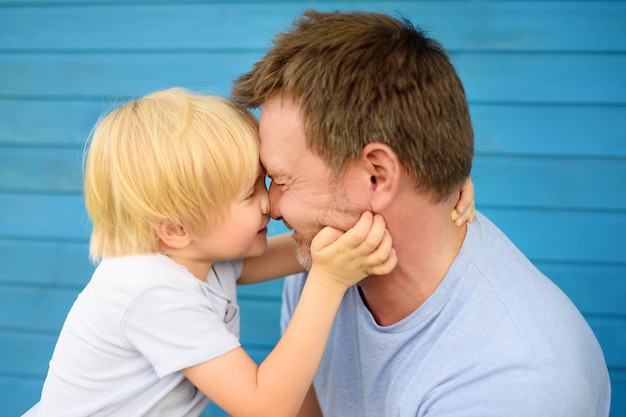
(172, 155)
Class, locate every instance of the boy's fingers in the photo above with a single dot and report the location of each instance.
(355, 236)
(325, 237)
(376, 233)
(459, 218)
(473, 213)
(385, 267)
(381, 253)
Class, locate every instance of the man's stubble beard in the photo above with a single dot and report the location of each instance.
(339, 207)
(303, 253)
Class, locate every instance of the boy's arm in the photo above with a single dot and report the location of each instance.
(310, 406)
(278, 261)
(279, 385)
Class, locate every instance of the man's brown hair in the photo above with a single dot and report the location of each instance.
(367, 77)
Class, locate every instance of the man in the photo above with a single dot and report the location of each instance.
(361, 111)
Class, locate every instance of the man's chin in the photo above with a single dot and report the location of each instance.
(303, 253)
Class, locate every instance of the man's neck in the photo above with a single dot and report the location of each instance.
(426, 242)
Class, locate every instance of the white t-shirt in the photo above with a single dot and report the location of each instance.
(495, 339)
(135, 326)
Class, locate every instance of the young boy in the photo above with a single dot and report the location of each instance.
(177, 198)
(179, 208)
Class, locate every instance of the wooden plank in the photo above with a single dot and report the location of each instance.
(66, 265)
(46, 123)
(260, 322)
(25, 354)
(267, 291)
(63, 3)
(556, 26)
(118, 76)
(595, 289)
(584, 236)
(50, 263)
(488, 77)
(588, 131)
(41, 169)
(44, 310)
(563, 236)
(41, 309)
(618, 392)
(44, 217)
(213, 410)
(509, 129)
(460, 25)
(552, 183)
(19, 393)
(511, 181)
(35, 309)
(28, 353)
(543, 78)
(611, 333)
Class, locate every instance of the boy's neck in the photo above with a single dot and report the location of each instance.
(198, 268)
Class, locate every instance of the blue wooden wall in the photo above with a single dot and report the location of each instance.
(546, 81)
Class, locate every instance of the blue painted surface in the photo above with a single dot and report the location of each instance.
(546, 83)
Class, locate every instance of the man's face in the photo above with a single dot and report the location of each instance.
(302, 192)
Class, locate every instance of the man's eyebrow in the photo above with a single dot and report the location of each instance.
(278, 178)
(271, 174)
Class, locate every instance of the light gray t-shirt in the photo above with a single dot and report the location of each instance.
(135, 326)
(496, 339)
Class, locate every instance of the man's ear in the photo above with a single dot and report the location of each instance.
(383, 166)
(172, 235)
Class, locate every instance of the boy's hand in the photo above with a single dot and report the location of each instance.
(465, 210)
(346, 258)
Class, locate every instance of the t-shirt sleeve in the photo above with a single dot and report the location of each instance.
(175, 327)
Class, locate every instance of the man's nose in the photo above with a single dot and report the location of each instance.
(275, 197)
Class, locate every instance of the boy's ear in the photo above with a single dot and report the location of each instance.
(384, 169)
(171, 234)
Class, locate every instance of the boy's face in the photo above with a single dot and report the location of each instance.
(243, 231)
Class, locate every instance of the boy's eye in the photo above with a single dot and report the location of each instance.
(252, 194)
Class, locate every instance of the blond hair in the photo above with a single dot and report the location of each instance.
(366, 77)
(172, 155)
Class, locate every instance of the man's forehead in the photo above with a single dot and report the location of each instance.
(274, 165)
(282, 137)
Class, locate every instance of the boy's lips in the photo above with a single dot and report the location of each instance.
(264, 228)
